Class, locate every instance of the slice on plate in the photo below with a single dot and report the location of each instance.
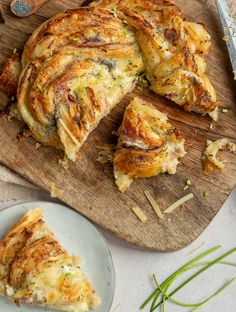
(148, 145)
(35, 269)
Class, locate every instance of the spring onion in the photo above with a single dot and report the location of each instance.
(177, 273)
(162, 289)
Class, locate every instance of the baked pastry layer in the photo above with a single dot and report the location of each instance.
(174, 52)
(79, 64)
(148, 144)
(36, 269)
(77, 67)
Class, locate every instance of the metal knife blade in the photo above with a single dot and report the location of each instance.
(229, 27)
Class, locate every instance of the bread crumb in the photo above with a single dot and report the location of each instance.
(231, 147)
(211, 163)
(226, 38)
(23, 134)
(37, 145)
(14, 112)
(55, 191)
(64, 162)
(208, 142)
(106, 153)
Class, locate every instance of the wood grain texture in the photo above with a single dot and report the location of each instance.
(90, 189)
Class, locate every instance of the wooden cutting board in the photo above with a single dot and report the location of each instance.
(89, 187)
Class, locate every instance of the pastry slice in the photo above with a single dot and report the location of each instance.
(174, 52)
(35, 269)
(148, 145)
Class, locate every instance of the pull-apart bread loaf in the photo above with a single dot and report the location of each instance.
(173, 51)
(77, 67)
(79, 64)
(35, 269)
(148, 145)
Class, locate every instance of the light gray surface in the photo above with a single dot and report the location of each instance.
(135, 267)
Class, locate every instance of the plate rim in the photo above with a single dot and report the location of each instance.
(90, 224)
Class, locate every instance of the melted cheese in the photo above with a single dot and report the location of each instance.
(40, 272)
(148, 145)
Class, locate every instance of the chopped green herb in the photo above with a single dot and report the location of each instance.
(6, 259)
(205, 194)
(14, 51)
(100, 74)
(188, 182)
(143, 79)
(67, 274)
(114, 10)
(73, 38)
(51, 53)
(224, 110)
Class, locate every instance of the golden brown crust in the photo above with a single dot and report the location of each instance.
(10, 75)
(148, 144)
(31, 258)
(211, 163)
(35, 269)
(14, 240)
(210, 167)
(134, 129)
(78, 66)
(173, 49)
(138, 163)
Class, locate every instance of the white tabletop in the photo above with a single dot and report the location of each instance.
(134, 267)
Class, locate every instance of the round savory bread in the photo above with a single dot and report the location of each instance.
(76, 67)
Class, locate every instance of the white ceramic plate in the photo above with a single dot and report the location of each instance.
(79, 237)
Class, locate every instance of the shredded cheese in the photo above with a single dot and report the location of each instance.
(37, 145)
(140, 214)
(154, 204)
(64, 162)
(179, 202)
